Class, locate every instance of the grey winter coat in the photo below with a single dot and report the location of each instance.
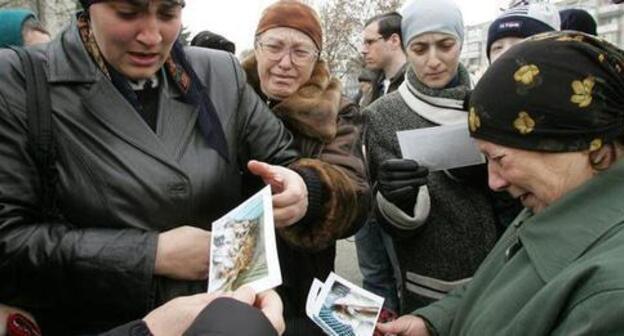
(441, 243)
(120, 184)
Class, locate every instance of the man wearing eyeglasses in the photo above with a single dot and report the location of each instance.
(382, 51)
(287, 71)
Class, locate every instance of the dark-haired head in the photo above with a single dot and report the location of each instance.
(208, 39)
(388, 24)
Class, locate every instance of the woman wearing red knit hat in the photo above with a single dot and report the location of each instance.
(287, 71)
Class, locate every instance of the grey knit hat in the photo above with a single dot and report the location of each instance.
(431, 16)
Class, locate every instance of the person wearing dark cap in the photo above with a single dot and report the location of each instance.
(20, 27)
(153, 143)
(579, 20)
(518, 23)
(208, 39)
(553, 135)
(287, 71)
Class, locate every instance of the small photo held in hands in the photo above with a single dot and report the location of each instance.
(243, 249)
(345, 309)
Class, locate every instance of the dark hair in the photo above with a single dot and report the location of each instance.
(32, 24)
(389, 23)
(208, 39)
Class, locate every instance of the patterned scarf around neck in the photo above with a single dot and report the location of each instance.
(181, 73)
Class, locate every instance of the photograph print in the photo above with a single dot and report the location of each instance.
(243, 249)
(346, 309)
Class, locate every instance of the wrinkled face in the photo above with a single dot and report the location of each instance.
(33, 36)
(537, 179)
(501, 45)
(136, 38)
(434, 58)
(375, 48)
(286, 58)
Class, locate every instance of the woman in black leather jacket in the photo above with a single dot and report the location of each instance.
(154, 142)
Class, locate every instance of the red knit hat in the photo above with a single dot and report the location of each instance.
(292, 14)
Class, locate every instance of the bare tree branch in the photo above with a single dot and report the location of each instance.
(343, 23)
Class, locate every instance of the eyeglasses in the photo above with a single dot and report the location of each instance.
(370, 42)
(299, 55)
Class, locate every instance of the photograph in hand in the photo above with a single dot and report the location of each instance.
(342, 308)
(243, 249)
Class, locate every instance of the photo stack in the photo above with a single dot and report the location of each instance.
(341, 308)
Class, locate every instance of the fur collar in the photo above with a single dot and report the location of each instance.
(313, 109)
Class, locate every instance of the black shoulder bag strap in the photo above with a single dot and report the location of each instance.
(40, 131)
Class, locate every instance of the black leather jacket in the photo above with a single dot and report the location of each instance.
(120, 184)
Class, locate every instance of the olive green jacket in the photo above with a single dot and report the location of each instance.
(559, 272)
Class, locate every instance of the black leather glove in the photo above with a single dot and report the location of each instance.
(399, 181)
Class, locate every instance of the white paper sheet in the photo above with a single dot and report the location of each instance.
(440, 147)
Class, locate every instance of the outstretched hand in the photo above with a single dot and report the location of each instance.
(290, 195)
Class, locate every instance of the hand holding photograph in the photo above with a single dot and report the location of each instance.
(342, 308)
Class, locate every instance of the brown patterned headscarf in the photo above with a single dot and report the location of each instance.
(555, 92)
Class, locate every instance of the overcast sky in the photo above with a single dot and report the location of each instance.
(237, 19)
